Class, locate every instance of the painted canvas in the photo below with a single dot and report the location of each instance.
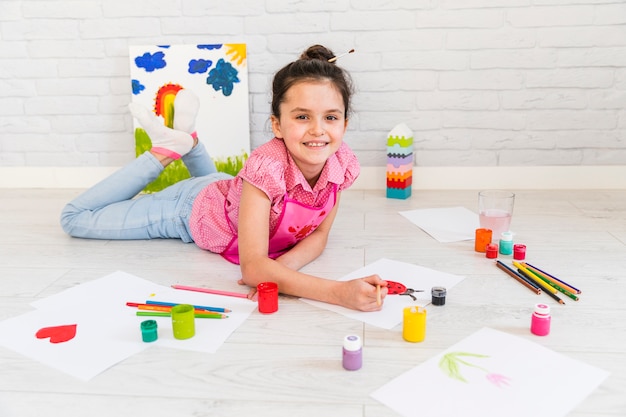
(217, 74)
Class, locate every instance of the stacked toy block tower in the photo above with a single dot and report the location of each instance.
(399, 162)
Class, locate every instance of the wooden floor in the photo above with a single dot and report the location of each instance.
(289, 363)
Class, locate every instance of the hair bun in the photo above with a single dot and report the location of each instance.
(317, 52)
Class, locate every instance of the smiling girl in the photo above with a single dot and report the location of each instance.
(274, 217)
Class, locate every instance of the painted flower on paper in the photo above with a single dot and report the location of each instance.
(451, 364)
(223, 77)
(498, 380)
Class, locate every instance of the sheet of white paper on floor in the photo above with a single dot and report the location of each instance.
(108, 331)
(448, 224)
(412, 276)
(492, 374)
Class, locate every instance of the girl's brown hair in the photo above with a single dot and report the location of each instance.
(312, 65)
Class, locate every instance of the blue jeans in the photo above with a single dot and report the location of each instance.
(109, 210)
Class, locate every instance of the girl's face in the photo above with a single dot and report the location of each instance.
(312, 125)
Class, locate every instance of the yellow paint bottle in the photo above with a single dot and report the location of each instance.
(414, 324)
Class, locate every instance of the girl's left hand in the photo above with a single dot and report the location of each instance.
(252, 295)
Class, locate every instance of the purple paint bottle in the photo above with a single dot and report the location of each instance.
(352, 352)
(540, 321)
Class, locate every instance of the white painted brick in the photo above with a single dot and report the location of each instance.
(30, 29)
(216, 26)
(501, 38)
(505, 120)
(460, 19)
(514, 58)
(378, 20)
(120, 27)
(11, 10)
(296, 23)
(570, 78)
(43, 9)
(58, 87)
(403, 80)
(13, 87)
(426, 60)
(608, 99)
(11, 106)
(389, 101)
(551, 16)
(610, 14)
(458, 100)
(581, 37)
(391, 5)
(66, 105)
(66, 49)
(14, 49)
(539, 157)
(219, 8)
(506, 79)
(401, 40)
(544, 99)
(290, 6)
(570, 120)
(18, 125)
(596, 57)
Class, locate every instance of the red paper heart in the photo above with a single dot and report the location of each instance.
(57, 334)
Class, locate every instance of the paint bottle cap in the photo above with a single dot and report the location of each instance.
(149, 331)
(506, 236)
(519, 252)
(542, 309)
(492, 251)
(352, 342)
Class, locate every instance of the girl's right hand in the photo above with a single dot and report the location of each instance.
(362, 293)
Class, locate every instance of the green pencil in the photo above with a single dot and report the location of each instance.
(197, 315)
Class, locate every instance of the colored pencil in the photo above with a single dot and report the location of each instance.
(563, 284)
(207, 308)
(518, 277)
(210, 291)
(548, 289)
(553, 284)
(153, 307)
(167, 314)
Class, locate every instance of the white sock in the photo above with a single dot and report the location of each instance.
(186, 106)
(165, 141)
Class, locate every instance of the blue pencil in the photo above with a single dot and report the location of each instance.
(217, 309)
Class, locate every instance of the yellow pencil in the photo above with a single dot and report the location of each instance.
(552, 292)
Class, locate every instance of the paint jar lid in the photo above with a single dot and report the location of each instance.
(542, 309)
(506, 236)
(149, 330)
(492, 251)
(352, 342)
(438, 291)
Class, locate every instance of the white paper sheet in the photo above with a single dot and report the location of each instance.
(109, 331)
(503, 375)
(413, 276)
(450, 224)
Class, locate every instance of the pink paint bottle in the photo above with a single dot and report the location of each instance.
(540, 321)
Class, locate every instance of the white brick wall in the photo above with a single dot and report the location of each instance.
(481, 82)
